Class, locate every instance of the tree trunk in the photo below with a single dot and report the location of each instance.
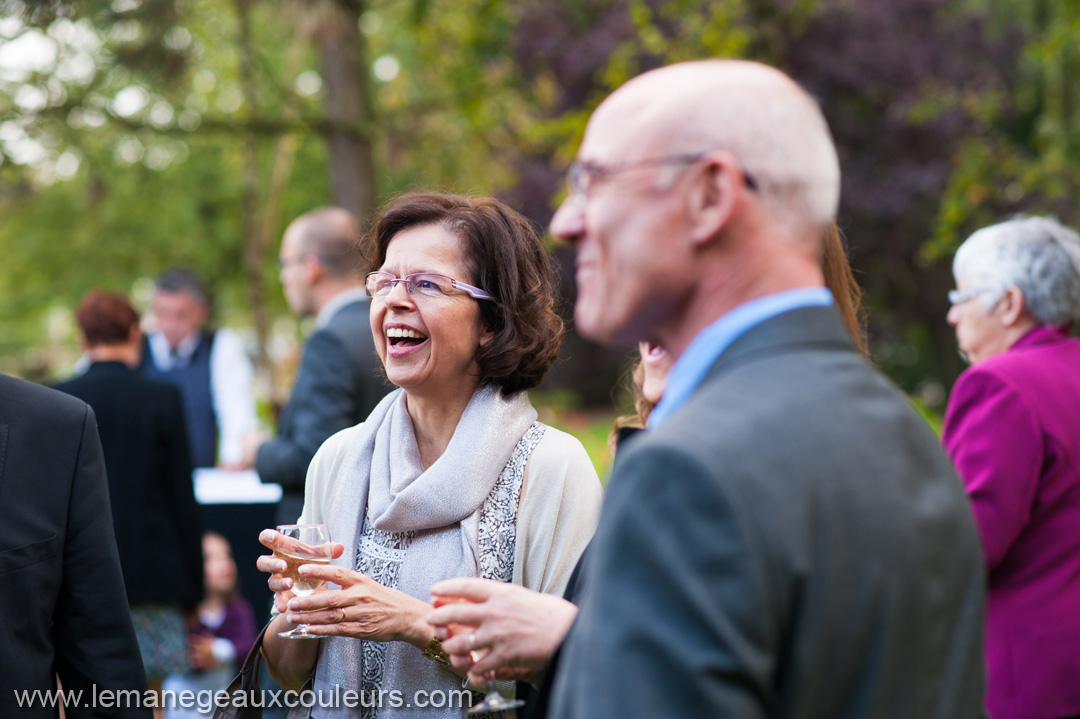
(255, 245)
(348, 107)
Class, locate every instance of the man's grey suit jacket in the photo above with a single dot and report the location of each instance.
(792, 543)
(338, 385)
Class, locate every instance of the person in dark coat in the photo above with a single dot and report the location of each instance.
(157, 522)
(62, 611)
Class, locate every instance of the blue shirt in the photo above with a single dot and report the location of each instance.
(701, 354)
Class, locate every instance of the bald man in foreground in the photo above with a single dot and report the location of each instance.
(339, 380)
(787, 539)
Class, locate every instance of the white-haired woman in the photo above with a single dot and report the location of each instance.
(1013, 431)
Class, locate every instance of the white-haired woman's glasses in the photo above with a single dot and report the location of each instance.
(959, 297)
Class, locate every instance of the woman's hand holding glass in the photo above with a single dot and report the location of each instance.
(296, 546)
(362, 608)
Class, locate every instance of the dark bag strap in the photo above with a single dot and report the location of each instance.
(245, 699)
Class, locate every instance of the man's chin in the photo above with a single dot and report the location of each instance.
(602, 329)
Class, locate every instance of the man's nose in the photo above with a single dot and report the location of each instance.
(568, 224)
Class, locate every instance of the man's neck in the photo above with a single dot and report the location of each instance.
(731, 285)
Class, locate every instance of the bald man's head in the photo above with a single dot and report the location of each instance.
(698, 187)
(774, 129)
(330, 233)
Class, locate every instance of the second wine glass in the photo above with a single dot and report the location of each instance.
(494, 700)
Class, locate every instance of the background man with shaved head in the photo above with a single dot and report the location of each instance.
(786, 539)
(338, 383)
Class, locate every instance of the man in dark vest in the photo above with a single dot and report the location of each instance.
(210, 367)
(340, 380)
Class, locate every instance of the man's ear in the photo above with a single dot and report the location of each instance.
(1013, 306)
(713, 195)
(313, 269)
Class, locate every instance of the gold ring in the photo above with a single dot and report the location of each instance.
(342, 610)
(472, 641)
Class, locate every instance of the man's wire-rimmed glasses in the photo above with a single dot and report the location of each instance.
(424, 284)
(581, 176)
(282, 263)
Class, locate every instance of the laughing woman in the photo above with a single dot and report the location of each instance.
(451, 475)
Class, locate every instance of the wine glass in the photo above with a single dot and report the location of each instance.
(493, 701)
(302, 544)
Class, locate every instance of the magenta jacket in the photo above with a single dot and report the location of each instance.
(1013, 430)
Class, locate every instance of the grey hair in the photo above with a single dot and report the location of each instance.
(179, 280)
(1038, 255)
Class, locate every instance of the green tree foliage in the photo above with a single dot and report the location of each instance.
(1024, 154)
(165, 132)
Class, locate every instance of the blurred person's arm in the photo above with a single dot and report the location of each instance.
(321, 404)
(231, 377)
(996, 444)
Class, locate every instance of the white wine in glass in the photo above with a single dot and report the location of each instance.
(302, 544)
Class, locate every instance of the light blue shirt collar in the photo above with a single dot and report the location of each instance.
(703, 351)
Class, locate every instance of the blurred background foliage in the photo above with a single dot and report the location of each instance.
(137, 135)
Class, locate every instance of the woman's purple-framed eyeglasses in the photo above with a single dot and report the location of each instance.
(425, 284)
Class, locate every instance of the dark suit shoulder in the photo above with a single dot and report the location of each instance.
(23, 401)
(106, 382)
(350, 326)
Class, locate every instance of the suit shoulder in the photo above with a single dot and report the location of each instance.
(22, 400)
(1007, 372)
(350, 323)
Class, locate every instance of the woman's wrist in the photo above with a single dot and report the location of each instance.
(418, 632)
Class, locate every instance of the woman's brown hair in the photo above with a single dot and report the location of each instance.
(105, 318)
(507, 259)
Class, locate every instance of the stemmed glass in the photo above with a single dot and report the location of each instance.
(493, 701)
(302, 544)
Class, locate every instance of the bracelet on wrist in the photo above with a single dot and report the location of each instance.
(435, 653)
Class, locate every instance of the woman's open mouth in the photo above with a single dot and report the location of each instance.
(404, 338)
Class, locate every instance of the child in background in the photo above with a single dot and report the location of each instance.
(221, 634)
